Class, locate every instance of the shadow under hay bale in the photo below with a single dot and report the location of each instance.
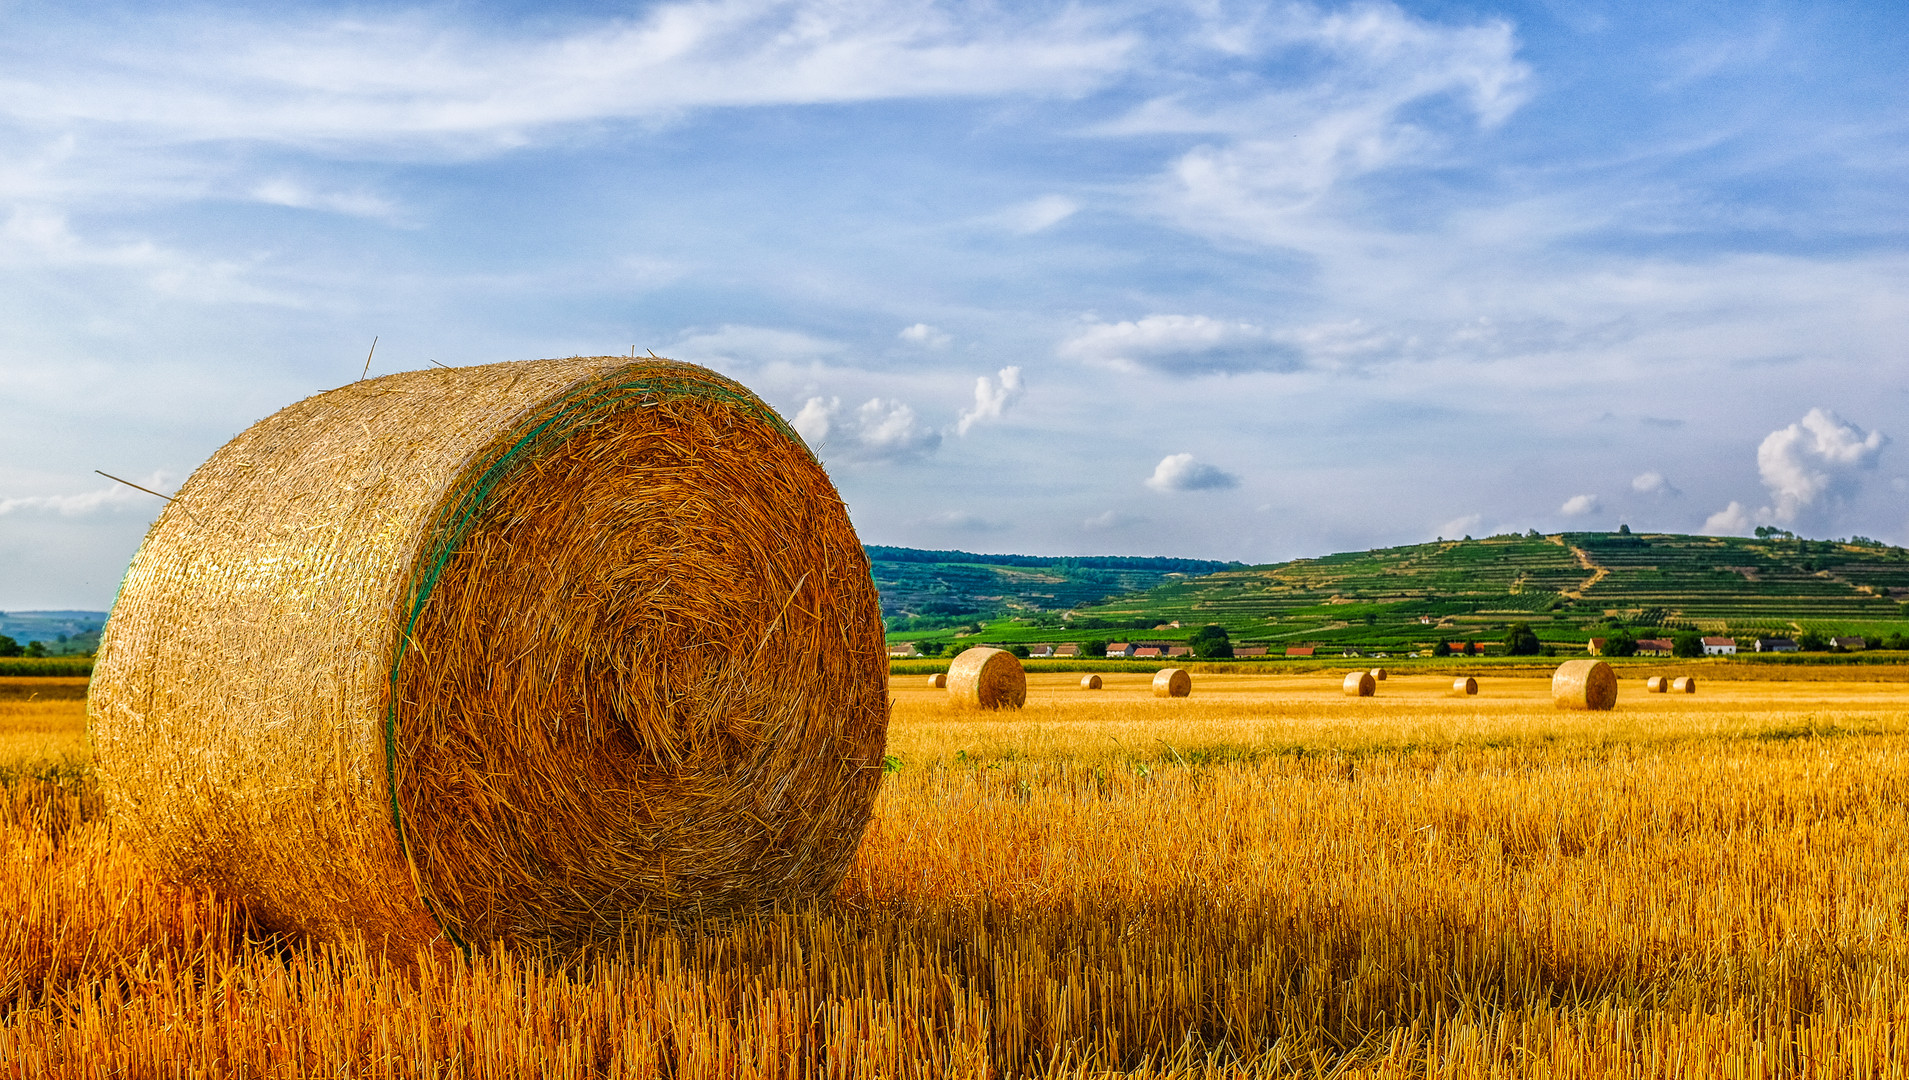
(519, 650)
(1360, 684)
(1172, 682)
(988, 679)
(1584, 684)
(1090, 682)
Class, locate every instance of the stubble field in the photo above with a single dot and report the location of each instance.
(1267, 878)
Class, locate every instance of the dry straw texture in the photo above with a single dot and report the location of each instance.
(1584, 684)
(1466, 685)
(1685, 684)
(1378, 673)
(1090, 682)
(1172, 682)
(988, 678)
(939, 680)
(1657, 684)
(1360, 684)
(519, 650)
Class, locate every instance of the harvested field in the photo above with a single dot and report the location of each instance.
(1267, 878)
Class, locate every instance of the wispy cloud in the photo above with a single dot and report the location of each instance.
(1182, 344)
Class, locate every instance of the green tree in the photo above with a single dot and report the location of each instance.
(1210, 642)
(1096, 647)
(1687, 644)
(1521, 640)
(1443, 648)
(1018, 650)
(1895, 641)
(929, 648)
(34, 649)
(1811, 641)
(1471, 647)
(1620, 643)
(9, 647)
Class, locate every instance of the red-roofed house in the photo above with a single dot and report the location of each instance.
(1720, 646)
(1145, 651)
(1119, 648)
(1654, 646)
(1066, 652)
(1299, 650)
(1247, 652)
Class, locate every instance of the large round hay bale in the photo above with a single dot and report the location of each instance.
(521, 650)
(989, 678)
(1584, 684)
(1378, 674)
(1466, 685)
(1656, 684)
(1172, 682)
(1685, 685)
(1090, 682)
(938, 681)
(1360, 684)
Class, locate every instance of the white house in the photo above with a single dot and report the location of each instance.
(1720, 646)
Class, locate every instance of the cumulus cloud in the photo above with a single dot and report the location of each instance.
(1812, 463)
(991, 398)
(1579, 505)
(1181, 472)
(1730, 521)
(923, 334)
(1188, 344)
(1652, 483)
(876, 430)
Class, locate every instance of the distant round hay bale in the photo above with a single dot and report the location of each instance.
(988, 678)
(522, 650)
(1685, 685)
(1466, 685)
(1378, 674)
(939, 680)
(1657, 684)
(1360, 684)
(1584, 684)
(1172, 682)
(1090, 682)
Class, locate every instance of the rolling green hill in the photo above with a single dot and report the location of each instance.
(953, 587)
(1567, 587)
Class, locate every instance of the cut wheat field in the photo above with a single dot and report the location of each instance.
(1265, 878)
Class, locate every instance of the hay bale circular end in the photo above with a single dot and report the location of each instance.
(988, 678)
(1360, 684)
(1172, 682)
(1378, 674)
(1685, 685)
(1090, 682)
(523, 650)
(1656, 684)
(938, 681)
(1584, 684)
(1467, 685)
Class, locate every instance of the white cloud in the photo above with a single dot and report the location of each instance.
(962, 521)
(1653, 483)
(284, 191)
(1036, 215)
(1579, 505)
(751, 346)
(1460, 526)
(1813, 462)
(112, 497)
(41, 235)
(1111, 519)
(877, 430)
(991, 399)
(367, 79)
(923, 334)
(1190, 344)
(1181, 472)
(1729, 521)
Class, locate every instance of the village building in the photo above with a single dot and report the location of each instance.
(1299, 650)
(1849, 644)
(902, 650)
(1248, 652)
(1119, 648)
(1066, 652)
(1655, 646)
(1720, 646)
(1143, 652)
(1775, 644)
(1179, 650)
(1040, 652)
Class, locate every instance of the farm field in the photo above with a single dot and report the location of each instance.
(1266, 878)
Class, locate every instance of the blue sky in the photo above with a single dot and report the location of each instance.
(1243, 281)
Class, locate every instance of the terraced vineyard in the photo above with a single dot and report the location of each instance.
(1567, 586)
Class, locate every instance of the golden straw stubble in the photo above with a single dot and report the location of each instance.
(1584, 684)
(988, 678)
(519, 650)
(1172, 682)
(1360, 684)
